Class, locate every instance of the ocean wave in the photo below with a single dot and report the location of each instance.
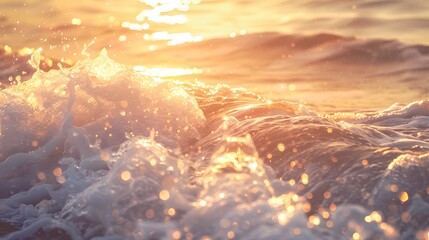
(327, 60)
(100, 151)
(303, 50)
(319, 69)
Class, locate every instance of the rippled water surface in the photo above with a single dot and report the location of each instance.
(371, 54)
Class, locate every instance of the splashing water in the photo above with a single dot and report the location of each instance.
(35, 60)
(99, 151)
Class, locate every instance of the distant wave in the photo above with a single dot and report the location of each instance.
(320, 50)
(278, 56)
(323, 67)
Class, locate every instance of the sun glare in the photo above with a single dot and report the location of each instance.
(164, 12)
(167, 72)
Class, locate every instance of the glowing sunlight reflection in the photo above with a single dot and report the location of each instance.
(167, 72)
(168, 12)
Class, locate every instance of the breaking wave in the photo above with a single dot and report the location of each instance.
(99, 151)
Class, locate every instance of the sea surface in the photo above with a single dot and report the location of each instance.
(207, 119)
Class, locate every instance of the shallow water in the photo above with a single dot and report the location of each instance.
(261, 122)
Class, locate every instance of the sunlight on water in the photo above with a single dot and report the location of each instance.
(173, 38)
(159, 14)
(167, 72)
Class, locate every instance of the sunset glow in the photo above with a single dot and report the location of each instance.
(214, 119)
